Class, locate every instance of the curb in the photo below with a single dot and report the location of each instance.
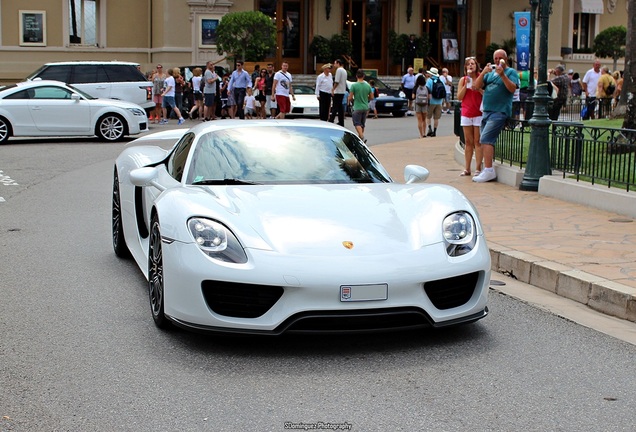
(600, 294)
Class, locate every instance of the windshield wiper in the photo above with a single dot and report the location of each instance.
(226, 181)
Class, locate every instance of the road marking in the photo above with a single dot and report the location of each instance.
(6, 180)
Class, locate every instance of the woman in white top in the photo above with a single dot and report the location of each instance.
(197, 93)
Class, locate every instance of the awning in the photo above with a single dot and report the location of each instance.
(588, 6)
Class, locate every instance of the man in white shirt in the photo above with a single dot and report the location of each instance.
(324, 85)
(590, 82)
(282, 89)
(448, 84)
(169, 100)
(408, 84)
(338, 91)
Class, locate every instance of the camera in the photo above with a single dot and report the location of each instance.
(493, 67)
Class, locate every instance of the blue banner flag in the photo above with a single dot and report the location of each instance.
(522, 28)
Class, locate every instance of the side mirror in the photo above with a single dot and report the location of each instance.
(415, 174)
(75, 97)
(146, 176)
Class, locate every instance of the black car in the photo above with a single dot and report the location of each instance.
(389, 101)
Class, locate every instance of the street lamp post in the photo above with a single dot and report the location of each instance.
(539, 153)
(533, 31)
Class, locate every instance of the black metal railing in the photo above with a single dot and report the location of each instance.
(594, 154)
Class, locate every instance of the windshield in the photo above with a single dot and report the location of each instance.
(283, 155)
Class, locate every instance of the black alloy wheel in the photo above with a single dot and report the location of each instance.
(155, 275)
(119, 241)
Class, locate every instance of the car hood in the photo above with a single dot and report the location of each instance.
(377, 218)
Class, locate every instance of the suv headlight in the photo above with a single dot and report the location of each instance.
(458, 230)
(216, 240)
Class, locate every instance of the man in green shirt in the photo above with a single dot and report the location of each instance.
(361, 93)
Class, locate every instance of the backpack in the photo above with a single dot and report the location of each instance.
(421, 96)
(376, 93)
(439, 89)
(611, 88)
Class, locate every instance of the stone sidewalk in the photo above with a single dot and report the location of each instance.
(573, 250)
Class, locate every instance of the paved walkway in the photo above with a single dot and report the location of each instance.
(572, 250)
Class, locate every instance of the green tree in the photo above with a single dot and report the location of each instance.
(398, 46)
(610, 43)
(628, 99)
(321, 48)
(340, 45)
(250, 36)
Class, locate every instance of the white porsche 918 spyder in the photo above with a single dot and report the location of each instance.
(267, 227)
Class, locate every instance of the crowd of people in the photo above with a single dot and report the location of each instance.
(239, 94)
(487, 97)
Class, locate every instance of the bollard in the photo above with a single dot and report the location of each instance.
(457, 128)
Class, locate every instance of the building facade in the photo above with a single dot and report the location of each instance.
(181, 32)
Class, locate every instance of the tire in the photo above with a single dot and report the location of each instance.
(155, 275)
(398, 113)
(111, 127)
(119, 241)
(5, 130)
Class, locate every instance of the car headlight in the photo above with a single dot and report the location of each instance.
(136, 111)
(402, 94)
(459, 233)
(216, 240)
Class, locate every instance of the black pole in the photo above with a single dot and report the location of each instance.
(533, 36)
(539, 153)
(462, 9)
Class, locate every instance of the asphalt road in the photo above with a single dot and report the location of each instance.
(79, 350)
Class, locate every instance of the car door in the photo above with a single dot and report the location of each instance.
(54, 111)
(16, 108)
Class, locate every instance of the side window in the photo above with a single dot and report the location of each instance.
(51, 93)
(83, 74)
(23, 94)
(123, 73)
(178, 158)
(58, 73)
(82, 24)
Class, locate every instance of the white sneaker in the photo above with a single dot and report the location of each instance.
(485, 176)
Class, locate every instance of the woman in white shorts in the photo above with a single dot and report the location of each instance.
(420, 95)
(471, 115)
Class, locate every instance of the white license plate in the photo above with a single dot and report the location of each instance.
(312, 110)
(353, 293)
(388, 104)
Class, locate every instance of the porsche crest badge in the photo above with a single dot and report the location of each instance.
(347, 244)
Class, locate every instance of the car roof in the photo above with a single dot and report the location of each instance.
(39, 82)
(92, 62)
(30, 84)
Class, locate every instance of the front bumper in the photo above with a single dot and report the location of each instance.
(291, 294)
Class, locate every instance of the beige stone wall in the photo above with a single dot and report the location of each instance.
(167, 31)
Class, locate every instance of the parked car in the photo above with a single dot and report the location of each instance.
(306, 103)
(114, 80)
(390, 101)
(269, 227)
(51, 108)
